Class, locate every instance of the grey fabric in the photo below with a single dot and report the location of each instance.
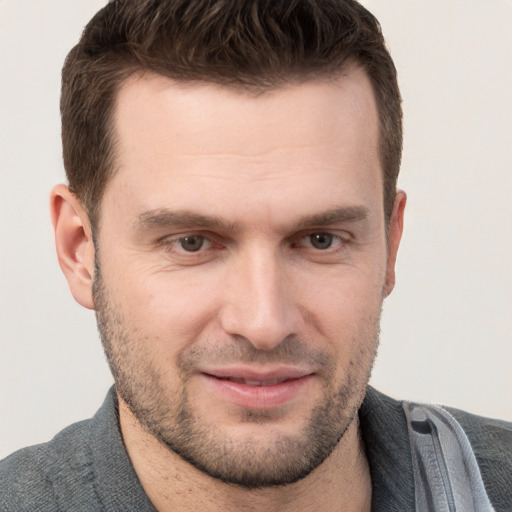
(384, 431)
(491, 441)
(447, 477)
(86, 467)
(83, 468)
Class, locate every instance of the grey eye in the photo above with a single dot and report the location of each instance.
(192, 243)
(321, 240)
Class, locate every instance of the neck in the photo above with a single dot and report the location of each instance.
(342, 481)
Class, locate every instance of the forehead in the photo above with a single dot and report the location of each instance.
(203, 144)
(223, 117)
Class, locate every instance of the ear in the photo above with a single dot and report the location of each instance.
(74, 243)
(396, 227)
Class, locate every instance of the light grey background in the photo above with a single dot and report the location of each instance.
(447, 327)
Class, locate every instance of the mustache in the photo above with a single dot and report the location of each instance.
(237, 349)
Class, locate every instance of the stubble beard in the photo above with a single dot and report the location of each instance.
(168, 415)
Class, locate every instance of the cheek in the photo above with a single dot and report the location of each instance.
(174, 305)
(345, 296)
(345, 311)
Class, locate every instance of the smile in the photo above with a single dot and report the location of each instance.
(256, 390)
(248, 382)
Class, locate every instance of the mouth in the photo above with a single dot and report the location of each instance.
(257, 390)
(252, 382)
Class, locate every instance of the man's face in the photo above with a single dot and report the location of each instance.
(242, 266)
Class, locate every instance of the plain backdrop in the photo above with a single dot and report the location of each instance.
(447, 327)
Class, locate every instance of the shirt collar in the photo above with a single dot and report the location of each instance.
(384, 432)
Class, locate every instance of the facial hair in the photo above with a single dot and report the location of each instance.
(169, 415)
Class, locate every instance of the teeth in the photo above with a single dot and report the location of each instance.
(256, 382)
(273, 382)
(253, 382)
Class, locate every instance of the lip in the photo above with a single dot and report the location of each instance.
(253, 389)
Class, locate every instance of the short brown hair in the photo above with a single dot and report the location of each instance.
(253, 44)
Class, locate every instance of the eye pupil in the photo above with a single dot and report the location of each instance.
(321, 240)
(192, 243)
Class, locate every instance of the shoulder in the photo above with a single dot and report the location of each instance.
(385, 432)
(491, 437)
(84, 467)
(30, 476)
(491, 440)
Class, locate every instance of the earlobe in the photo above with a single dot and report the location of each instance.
(74, 243)
(396, 226)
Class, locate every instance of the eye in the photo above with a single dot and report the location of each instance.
(191, 243)
(321, 241)
(191, 248)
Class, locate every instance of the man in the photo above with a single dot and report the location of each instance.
(232, 217)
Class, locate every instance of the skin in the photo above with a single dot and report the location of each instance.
(258, 177)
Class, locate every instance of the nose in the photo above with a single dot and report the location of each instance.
(259, 303)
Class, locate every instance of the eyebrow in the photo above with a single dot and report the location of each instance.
(344, 215)
(163, 217)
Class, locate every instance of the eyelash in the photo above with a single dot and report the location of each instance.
(336, 239)
(172, 244)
